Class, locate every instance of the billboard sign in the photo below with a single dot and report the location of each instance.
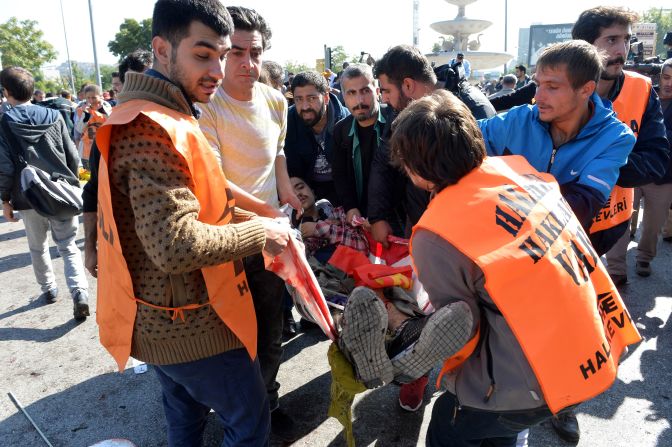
(542, 36)
(646, 33)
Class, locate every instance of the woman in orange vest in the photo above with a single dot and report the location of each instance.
(89, 116)
(500, 248)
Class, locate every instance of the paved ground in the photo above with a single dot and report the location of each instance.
(67, 382)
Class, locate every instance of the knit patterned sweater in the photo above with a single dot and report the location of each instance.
(164, 244)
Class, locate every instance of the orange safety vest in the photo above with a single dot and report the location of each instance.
(226, 283)
(96, 120)
(629, 106)
(542, 274)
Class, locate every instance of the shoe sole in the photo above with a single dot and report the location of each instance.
(409, 408)
(81, 311)
(444, 334)
(364, 337)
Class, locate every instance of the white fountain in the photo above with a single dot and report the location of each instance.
(459, 30)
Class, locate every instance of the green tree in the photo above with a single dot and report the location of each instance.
(131, 36)
(50, 85)
(80, 77)
(22, 44)
(106, 75)
(663, 18)
(338, 56)
(296, 67)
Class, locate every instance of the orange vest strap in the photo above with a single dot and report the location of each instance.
(175, 312)
(458, 358)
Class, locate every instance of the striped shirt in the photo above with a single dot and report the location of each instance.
(247, 137)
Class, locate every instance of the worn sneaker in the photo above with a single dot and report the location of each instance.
(283, 426)
(80, 300)
(50, 296)
(362, 337)
(446, 331)
(643, 268)
(567, 426)
(412, 395)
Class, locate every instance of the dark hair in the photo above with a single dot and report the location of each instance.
(115, 74)
(591, 21)
(65, 94)
(522, 68)
(404, 61)
(272, 73)
(246, 19)
(355, 71)
(509, 79)
(138, 61)
(38, 91)
(310, 78)
(172, 18)
(17, 82)
(437, 138)
(582, 61)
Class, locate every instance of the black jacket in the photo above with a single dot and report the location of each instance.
(300, 144)
(667, 118)
(523, 95)
(44, 142)
(389, 187)
(90, 190)
(650, 157)
(342, 164)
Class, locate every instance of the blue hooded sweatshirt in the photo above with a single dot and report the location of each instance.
(586, 167)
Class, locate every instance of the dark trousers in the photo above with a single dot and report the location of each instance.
(466, 427)
(229, 383)
(267, 294)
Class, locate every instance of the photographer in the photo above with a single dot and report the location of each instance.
(451, 80)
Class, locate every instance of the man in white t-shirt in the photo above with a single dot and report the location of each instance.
(246, 123)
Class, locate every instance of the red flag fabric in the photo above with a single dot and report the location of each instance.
(398, 249)
(348, 259)
(378, 276)
(292, 266)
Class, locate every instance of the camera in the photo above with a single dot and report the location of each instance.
(450, 76)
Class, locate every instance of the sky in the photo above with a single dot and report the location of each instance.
(301, 28)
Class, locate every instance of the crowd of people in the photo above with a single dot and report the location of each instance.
(201, 143)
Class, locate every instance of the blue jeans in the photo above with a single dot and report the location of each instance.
(469, 427)
(229, 383)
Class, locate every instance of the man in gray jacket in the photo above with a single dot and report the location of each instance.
(41, 136)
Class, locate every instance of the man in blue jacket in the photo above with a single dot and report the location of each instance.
(568, 132)
(309, 145)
